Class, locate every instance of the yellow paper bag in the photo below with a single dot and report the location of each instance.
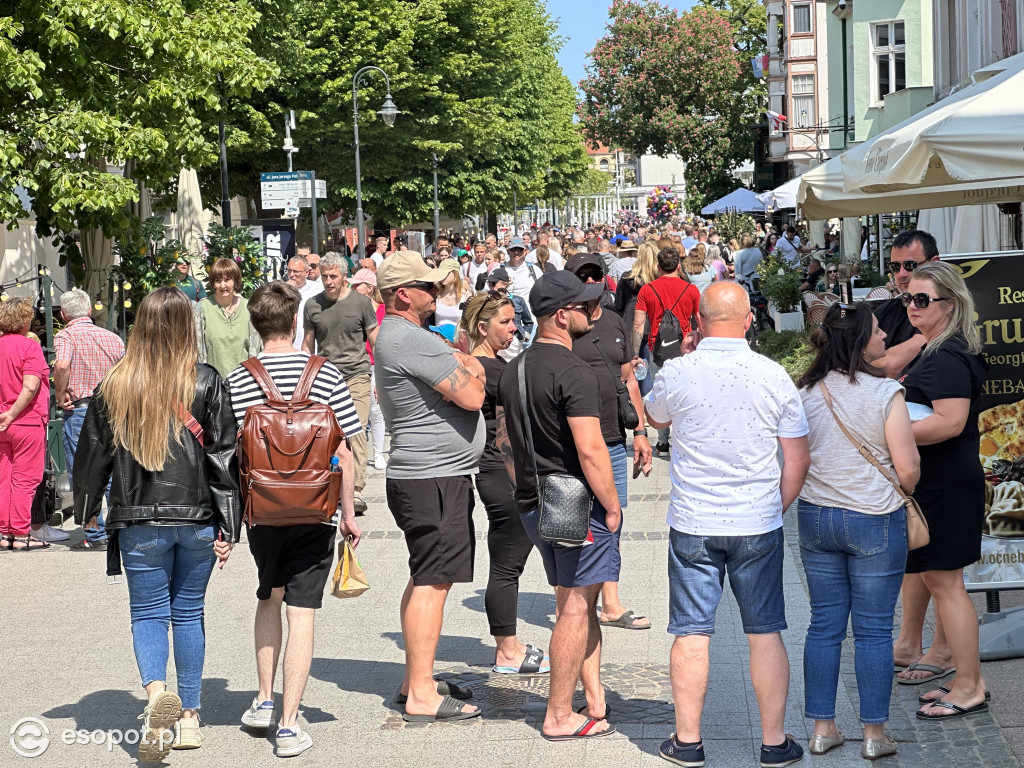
(349, 579)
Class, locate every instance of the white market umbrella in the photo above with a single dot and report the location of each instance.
(976, 230)
(190, 213)
(973, 135)
(781, 197)
(741, 199)
(940, 223)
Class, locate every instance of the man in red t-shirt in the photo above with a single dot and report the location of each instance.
(672, 292)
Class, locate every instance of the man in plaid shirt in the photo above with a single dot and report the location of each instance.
(84, 354)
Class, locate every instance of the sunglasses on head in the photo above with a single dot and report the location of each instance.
(919, 300)
(893, 267)
(497, 295)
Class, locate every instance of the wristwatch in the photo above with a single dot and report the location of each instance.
(640, 432)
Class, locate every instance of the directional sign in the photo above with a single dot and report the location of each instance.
(276, 189)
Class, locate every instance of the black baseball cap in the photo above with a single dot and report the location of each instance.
(497, 275)
(579, 260)
(556, 290)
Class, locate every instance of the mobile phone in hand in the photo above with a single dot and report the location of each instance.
(637, 468)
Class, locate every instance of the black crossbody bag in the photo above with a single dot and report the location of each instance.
(628, 417)
(564, 501)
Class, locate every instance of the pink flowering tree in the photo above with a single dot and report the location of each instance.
(668, 83)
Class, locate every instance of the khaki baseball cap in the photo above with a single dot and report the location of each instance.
(405, 267)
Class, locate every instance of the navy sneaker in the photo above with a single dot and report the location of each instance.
(789, 752)
(687, 755)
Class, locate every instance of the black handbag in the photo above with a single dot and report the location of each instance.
(564, 501)
(628, 417)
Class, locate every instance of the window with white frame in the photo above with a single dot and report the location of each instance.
(801, 18)
(890, 58)
(802, 114)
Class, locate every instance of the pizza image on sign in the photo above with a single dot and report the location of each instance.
(1001, 451)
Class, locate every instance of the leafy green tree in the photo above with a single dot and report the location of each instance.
(667, 83)
(90, 82)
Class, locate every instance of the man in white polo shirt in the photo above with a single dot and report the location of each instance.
(725, 512)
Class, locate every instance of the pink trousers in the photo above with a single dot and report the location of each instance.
(22, 459)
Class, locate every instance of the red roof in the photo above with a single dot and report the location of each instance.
(599, 149)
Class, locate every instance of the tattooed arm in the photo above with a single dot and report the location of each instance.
(503, 443)
(465, 385)
(637, 337)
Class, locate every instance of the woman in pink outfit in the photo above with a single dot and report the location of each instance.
(24, 400)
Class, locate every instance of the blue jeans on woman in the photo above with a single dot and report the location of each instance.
(854, 565)
(167, 568)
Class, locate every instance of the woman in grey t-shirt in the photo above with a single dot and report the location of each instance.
(853, 530)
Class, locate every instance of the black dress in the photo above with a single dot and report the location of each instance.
(952, 486)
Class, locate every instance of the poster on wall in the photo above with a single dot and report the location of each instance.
(997, 284)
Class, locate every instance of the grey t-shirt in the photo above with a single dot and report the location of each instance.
(430, 437)
(839, 476)
(341, 329)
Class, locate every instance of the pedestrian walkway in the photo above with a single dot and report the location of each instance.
(68, 662)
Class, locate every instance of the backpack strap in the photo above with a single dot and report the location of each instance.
(191, 423)
(263, 380)
(309, 374)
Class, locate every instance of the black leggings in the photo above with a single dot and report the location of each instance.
(508, 546)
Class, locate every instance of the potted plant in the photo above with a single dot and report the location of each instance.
(780, 284)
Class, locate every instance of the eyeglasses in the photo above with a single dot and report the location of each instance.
(892, 267)
(833, 272)
(422, 286)
(583, 307)
(919, 300)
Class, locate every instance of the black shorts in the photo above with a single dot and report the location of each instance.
(436, 517)
(296, 557)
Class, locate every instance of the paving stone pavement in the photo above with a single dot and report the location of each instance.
(68, 661)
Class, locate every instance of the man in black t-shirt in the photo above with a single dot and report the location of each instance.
(608, 352)
(563, 401)
(902, 340)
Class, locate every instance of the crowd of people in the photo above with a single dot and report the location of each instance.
(529, 372)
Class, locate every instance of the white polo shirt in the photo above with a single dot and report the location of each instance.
(790, 251)
(727, 405)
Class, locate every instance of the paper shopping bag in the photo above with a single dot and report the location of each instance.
(349, 579)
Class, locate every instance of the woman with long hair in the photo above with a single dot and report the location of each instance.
(853, 534)
(160, 424)
(224, 335)
(448, 311)
(365, 282)
(544, 259)
(697, 272)
(947, 376)
(645, 270)
(489, 322)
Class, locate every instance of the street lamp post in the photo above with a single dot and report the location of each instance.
(437, 211)
(388, 112)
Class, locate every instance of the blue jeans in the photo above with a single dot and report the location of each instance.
(647, 383)
(854, 565)
(167, 568)
(620, 466)
(72, 429)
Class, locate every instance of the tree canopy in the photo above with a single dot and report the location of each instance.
(665, 82)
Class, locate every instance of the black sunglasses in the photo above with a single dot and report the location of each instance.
(892, 267)
(497, 295)
(833, 271)
(423, 286)
(919, 300)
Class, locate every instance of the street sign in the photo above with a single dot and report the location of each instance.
(276, 189)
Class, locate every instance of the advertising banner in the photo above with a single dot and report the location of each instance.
(996, 282)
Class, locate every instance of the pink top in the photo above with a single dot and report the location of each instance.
(19, 355)
(380, 316)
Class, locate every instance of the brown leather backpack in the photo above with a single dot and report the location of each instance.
(284, 453)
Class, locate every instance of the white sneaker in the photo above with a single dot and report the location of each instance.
(379, 462)
(292, 741)
(48, 533)
(260, 715)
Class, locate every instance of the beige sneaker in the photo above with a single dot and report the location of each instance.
(186, 734)
(158, 720)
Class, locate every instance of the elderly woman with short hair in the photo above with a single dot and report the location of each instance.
(223, 331)
(24, 411)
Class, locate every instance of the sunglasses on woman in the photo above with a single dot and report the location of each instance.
(919, 300)
(833, 272)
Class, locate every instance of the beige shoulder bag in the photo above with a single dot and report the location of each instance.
(917, 526)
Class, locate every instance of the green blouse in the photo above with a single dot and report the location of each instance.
(224, 340)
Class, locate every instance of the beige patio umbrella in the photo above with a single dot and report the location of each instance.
(190, 214)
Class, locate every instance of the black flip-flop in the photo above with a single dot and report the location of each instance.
(625, 621)
(957, 710)
(445, 688)
(945, 690)
(450, 710)
(607, 711)
(533, 664)
(583, 732)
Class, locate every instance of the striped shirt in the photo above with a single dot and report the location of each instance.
(286, 369)
(92, 352)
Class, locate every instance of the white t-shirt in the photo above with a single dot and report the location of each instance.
(789, 250)
(470, 270)
(621, 266)
(554, 259)
(377, 257)
(728, 406)
(311, 288)
(522, 279)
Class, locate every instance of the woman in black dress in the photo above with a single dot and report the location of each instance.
(946, 376)
(489, 322)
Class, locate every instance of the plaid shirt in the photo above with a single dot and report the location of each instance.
(91, 350)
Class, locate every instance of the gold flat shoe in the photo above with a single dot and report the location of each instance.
(819, 745)
(872, 749)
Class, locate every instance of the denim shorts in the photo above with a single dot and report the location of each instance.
(566, 565)
(697, 566)
(620, 465)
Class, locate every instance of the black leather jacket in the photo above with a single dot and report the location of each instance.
(196, 485)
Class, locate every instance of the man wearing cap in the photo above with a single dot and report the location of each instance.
(338, 323)
(498, 281)
(431, 397)
(626, 259)
(522, 275)
(563, 398)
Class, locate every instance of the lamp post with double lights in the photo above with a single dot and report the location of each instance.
(388, 112)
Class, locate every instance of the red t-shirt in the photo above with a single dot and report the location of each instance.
(19, 355)
(663, 293)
